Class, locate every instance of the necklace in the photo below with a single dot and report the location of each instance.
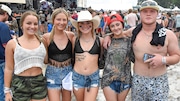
(147, 36)
(87, 41)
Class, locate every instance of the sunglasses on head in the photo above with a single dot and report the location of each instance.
(148, 3)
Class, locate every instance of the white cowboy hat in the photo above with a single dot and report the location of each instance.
(86, 16)
(6, 8)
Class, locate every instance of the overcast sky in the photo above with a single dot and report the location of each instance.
(111, 4)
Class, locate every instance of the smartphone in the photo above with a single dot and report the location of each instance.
(147, 56)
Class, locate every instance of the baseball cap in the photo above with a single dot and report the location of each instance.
(6, 8)
(115, 17)
(149, 4)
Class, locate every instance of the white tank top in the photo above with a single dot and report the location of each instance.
(26, 58)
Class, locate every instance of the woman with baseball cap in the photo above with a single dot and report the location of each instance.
(150, 80)
(116, 79)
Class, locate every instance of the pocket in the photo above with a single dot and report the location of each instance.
(67, 82)
(50, 70)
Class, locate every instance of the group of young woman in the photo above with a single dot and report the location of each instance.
(65, 53)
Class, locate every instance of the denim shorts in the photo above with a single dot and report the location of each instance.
(2, 81)
(55, 75)
(82, 81)
(119, 86)
(25, 88)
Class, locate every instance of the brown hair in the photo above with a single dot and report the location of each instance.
(24, 15)
(54, 14)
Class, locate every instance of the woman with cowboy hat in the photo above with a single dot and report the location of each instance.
(87, 49)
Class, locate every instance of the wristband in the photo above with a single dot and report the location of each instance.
(6, 90)
(164, 60)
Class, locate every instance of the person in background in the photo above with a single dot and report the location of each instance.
(116, 78)
(131, 18)
(59, 56)
(87, 49)
(177, 25)
(25, 57)
(17, 16)
(5, 36)
(99, 30)
(42, 25)
(153, 48)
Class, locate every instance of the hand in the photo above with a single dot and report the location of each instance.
(156, 61)
(8, 97)
(107, 42)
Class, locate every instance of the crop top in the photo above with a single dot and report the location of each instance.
(26, 58)
(96, 48)
(60, 55)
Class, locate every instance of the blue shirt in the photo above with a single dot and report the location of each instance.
(5, 36)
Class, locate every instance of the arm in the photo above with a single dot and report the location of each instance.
(170, 54)
(107, 41)
(9, 67)
(46, 43)
(172, 49)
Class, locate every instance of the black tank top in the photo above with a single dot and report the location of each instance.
(96, 48)
(60, 55)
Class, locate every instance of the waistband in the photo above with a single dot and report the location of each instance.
(27, 76)
(146, 77)
(60, 64)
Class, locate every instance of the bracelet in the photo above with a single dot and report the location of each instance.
(7, 90)
(164, 60)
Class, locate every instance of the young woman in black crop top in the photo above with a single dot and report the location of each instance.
(59, 57)
(87, 48)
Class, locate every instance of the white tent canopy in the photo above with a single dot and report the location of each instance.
(164, 9)
(13, 1)
(176, 9)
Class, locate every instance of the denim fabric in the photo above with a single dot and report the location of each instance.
(2, 81)
(55, 75)
(82, 81)
(119, 86)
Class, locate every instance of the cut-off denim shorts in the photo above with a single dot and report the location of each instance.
(82, 81)
(55, 75)
(119, 86)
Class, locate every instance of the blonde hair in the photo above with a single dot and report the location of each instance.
(24, 15)
(54, 14)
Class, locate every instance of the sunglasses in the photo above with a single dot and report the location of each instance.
(149, 3)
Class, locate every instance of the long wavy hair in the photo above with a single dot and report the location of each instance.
(54, 14)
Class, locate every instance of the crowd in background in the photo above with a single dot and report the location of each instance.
(131, 17)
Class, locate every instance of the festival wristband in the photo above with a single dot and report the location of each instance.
(164, 60)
